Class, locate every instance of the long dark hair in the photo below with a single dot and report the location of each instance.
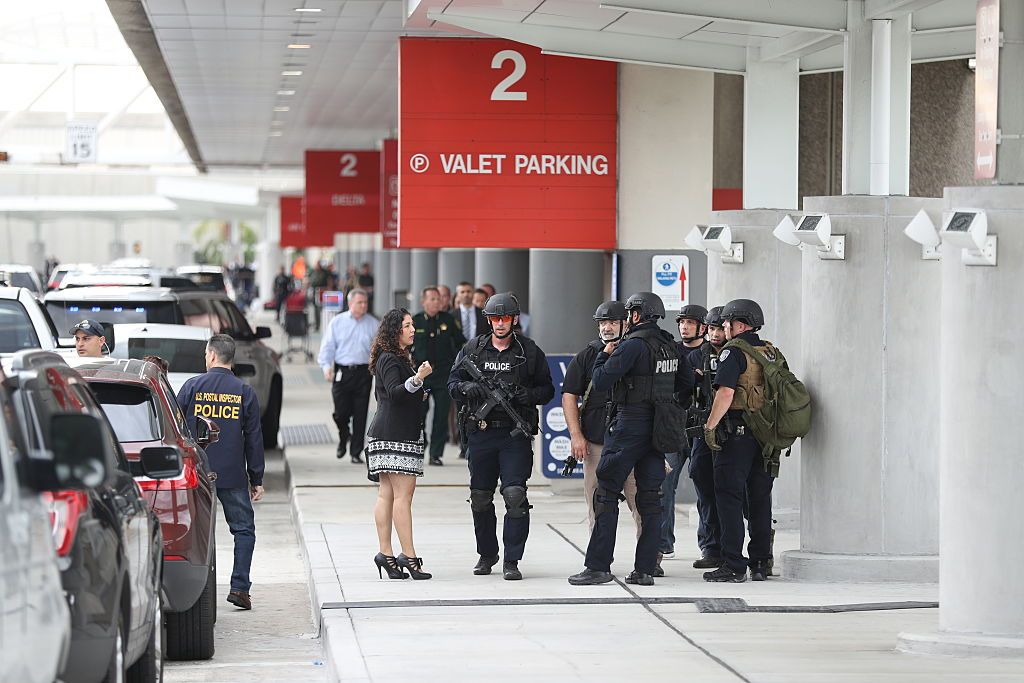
(388, 334)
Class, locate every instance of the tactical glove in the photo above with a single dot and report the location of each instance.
(521, 396)
(711, 437)
(473, 390)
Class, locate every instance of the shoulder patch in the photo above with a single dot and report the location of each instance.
(722, 356)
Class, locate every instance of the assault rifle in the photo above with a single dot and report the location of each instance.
(499, 393)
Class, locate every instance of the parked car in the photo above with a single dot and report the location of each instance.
(196, 308)
(19, 275)
(183, 347)
(140, 405)
(209, 279)
(62, 270)
(108, 540)
(24, 322)
(127, 277)
(35, 626)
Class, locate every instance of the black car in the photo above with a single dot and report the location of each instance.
(109, 544)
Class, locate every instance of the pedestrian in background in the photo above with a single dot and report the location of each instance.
(438, 340)
(446, 298)
(345, 360)
(394, 453)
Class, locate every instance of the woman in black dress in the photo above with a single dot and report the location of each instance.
(395, 441)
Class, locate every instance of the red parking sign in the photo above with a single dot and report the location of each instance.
(342, 192)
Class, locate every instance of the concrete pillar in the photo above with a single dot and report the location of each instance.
(566, 287)
(401, 261)
(269, 256)
(769, 274)
(36, 248)
(423, 273)
(771, 133)
(981, 469)
(1010, 150)
(118, 248)
(183, 249)
(890, 106)
(383, 301)
(455, 266)
(870, 334)
(507, 269)
(857, 101)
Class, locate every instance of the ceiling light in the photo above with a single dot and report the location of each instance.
(282, 108)
(291, 73)
(308, 9)
(299, 46)
(275, 134)
(285, 93)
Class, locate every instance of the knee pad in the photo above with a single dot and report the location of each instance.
(648, 502)
(606, 499)
(516, 503)
(480, 500)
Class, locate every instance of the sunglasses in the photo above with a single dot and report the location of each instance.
(501, 318)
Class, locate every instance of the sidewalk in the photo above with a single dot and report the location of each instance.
(459, 627)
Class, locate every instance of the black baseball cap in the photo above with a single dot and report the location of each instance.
(90, 327)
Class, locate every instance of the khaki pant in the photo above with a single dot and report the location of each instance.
(590, 486)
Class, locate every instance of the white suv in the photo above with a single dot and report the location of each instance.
(24, 323)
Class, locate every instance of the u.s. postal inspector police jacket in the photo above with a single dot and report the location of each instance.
(218, 395)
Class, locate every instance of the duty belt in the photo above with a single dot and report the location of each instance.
(484, 425)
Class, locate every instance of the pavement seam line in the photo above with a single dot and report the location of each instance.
(715, 658)
(348, 613)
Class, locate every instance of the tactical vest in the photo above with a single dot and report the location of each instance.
(750, 386)
(520, 374)
(658, 383)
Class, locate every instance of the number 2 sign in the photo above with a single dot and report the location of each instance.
(342, 193)
(502, 146)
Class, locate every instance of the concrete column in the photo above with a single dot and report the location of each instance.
(870, 335)
(890, 106)
(1010, 151)
(857, 101)
(566, 287)
(771, 133)
(507, 269)
(770, 274)
(401, 267)
(455, 266)
(383, 301)
(36, 249)
(981, 471)
(423, 273)
(183, 249)
(269, 256)
(118, 248)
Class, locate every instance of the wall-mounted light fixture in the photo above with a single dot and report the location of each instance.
(715, 239)
(814, 229)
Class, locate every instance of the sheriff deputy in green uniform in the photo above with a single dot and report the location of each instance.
(438, 340)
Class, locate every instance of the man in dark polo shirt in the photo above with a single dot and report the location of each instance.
(237, 457)
(438, 340)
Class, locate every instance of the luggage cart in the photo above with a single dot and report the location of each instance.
(296, 327)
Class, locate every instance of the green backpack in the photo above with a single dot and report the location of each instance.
(786, 413)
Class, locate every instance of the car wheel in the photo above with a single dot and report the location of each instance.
(271, 421)
(115, 669)
(150, 666)
(190, 633)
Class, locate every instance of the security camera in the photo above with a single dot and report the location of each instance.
(784, 231)
(968, 230)
(922, 230)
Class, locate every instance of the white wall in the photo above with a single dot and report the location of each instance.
(666, 125)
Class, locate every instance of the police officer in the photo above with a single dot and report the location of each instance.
(705, 363)
(586, 408)
(493, 451)
(645, 375)
(739, 468)
(90, 339)
(438, 340)
(690, 323)
(237, 457)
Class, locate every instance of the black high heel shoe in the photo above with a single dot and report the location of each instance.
(389, 564)
(414, 565)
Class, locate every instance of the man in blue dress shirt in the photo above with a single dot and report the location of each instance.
(345, 358)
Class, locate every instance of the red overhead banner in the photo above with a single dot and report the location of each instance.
(501, 146)
(389, 193)
(342, 192)
(293, 228)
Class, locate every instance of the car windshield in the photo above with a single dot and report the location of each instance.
(16, 330)
(208, 282)
(182, 355)
(22, 279)
(130, 409)
(67, 314)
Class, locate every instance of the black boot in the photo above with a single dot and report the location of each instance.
(759, 571)
(510, 571)
(589, 577)
(638, 579)
(708, 562)
(658, 571)
(725, 575)
(484, 564)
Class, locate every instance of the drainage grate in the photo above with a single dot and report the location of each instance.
(307, 435)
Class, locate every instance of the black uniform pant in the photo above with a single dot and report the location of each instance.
(493, 455)
(439, 424)
(702, 472)
(627, 448)
(740, 478)
(351, 396)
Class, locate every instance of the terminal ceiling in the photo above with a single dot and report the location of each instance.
(232, 63)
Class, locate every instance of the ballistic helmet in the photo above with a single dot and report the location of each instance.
(692, 312)
(714, 317)
(610, 310)
(649, 304)
(504, 303)
(744, 310)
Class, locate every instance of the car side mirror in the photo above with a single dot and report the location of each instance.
(83, 457)
(207, 431)
(244, 370)
(161, 462)
(263, 332)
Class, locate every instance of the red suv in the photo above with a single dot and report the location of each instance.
(140, 405)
